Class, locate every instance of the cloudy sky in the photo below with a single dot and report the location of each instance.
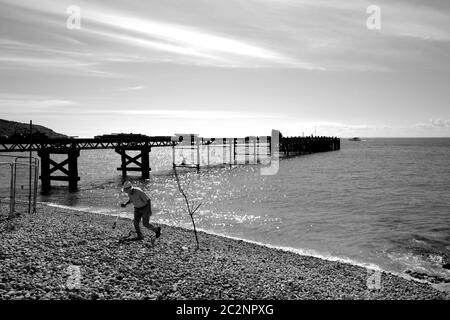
(227, 67)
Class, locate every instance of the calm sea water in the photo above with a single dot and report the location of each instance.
(378, 202)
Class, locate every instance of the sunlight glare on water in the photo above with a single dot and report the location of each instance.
(381, 201)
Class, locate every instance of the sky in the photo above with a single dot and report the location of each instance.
(227, 68)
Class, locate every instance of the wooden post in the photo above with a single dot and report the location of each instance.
(30, 164)
(234, 150)
(197, 142)
(231, 146)
(192, 148)
(207, 151)
(12, 188)
(269, 139)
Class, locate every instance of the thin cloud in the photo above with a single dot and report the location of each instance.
(339, 125)
(433, 123)
(135, 88)
(168, 113)
(183, 36)
(306, 34)
(23, 104)
(201, 46)
(28, 55)
(55, 65)
(422, 21)
(152, 45)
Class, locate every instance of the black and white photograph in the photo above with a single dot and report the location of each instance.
(221, 156)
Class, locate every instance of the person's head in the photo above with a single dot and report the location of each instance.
(127, 187)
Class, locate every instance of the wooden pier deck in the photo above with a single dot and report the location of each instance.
(248, 147)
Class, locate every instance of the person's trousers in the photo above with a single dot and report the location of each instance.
(143, 213)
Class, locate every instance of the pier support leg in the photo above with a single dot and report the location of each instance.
(143, 166)
(197, 143)
(73, 170)
(48, 166)
(270, 151)
(234, 150)
(231, 147)
(224, 144)
(258, 150)
(123, 166)
(45, 171)
(247, 150)
(254, 151)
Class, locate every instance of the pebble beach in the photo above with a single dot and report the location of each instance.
(39, 253)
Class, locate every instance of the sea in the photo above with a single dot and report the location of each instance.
(379, 203)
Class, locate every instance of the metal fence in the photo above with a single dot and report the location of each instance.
(18, 183)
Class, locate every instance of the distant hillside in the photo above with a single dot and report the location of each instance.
(12, 128)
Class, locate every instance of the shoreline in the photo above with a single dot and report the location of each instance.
(43, 246)
(302, 252)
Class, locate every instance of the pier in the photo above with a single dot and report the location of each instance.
(251, 148)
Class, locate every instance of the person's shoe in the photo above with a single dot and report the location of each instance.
(158, 232)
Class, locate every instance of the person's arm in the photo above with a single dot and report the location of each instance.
(123, 205)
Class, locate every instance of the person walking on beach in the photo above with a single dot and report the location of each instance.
(142, 209)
